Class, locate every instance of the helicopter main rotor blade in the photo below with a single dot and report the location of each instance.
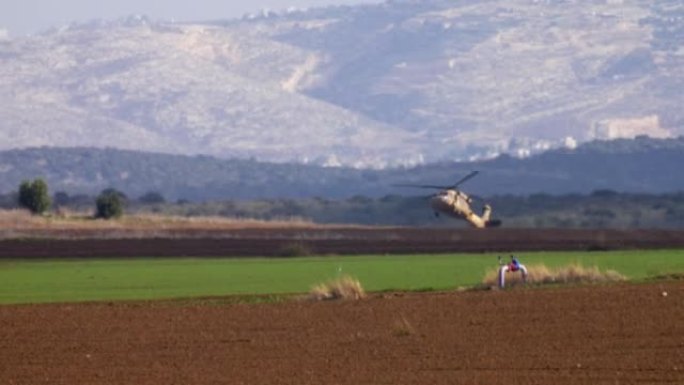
(465, 178)
(422, 186)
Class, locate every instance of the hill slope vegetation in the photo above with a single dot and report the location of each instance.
(398, 83)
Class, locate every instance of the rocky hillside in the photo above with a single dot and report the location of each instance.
(400, 83)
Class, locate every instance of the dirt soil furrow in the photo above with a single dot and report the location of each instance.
(626, 334)
(341, 241)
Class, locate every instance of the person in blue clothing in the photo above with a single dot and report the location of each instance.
(514, 265)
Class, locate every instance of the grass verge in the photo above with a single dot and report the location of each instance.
(147, 279)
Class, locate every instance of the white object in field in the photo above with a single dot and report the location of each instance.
(505, 268)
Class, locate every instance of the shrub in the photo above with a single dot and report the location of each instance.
(109, 204)
(344, 287)
(541, 275)
(34, 196)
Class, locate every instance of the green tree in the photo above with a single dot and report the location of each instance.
(109, 204)
(34, 196)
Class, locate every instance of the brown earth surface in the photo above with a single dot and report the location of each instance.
(327, 240)
(623, 334)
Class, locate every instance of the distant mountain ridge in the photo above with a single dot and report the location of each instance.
(399, 83)
(643, 165)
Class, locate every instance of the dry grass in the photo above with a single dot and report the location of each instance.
(542, 275)
(68, 224)
(22, 219)
(344, 287)
(402, 327)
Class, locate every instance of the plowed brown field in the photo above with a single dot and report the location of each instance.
(329, 240)
(624, 334)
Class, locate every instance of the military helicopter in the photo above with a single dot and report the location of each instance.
(456, 203)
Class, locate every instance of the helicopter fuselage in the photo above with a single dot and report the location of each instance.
(451, 202)
(455, 203)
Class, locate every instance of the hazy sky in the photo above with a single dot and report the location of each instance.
(21, 17)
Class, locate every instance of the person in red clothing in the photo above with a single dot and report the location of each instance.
(514, 265)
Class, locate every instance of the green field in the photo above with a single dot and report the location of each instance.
(150, 278)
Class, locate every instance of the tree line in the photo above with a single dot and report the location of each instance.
(599, 209)
(640, 165)
(34, 196)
